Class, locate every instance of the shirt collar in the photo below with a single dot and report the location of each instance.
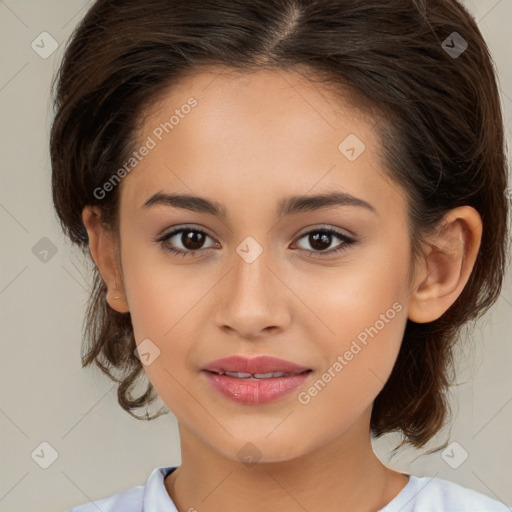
(156, 497)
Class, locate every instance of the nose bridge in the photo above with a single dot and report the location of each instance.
(251, 275)
(251, 299)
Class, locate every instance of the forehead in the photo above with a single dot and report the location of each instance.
(256, 132)
(266, 95)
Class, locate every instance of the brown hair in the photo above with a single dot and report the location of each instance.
(440, 128)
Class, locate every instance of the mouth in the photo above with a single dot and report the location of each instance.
(255, 381)
(257, 376)
(260, 367)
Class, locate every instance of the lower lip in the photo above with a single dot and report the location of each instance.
(255, 391)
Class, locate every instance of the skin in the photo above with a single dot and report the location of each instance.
(252, 140)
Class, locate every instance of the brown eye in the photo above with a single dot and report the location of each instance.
(191, 239)
(321, 239)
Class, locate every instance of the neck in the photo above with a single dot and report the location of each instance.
(343, 475)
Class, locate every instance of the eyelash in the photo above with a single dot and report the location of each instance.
(347, 241)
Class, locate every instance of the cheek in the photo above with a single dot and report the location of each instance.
(358, 359)
(354, 294)
(165, 308)
(159, 293)
(363, 306)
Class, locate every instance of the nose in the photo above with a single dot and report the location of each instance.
(253, 299)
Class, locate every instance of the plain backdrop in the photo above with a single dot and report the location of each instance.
(91, 446)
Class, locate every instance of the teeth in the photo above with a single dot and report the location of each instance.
(239, 375)
(243, 375)
(269, 375)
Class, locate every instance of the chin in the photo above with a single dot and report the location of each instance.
(262, 449)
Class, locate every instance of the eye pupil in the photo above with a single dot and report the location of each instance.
(320, 240)
(192, 240)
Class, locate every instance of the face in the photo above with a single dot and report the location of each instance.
(321, 284)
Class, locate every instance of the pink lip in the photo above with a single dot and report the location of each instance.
(250, 390)
(259, 364)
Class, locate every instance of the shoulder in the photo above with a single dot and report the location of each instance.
(431, 493)
(133, 499)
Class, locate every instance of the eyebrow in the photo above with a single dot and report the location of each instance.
(287, 206)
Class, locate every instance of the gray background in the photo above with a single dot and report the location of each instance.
(47, 397)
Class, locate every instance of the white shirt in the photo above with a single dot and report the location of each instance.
(421, 494)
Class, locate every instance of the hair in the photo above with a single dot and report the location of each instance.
(440, 131)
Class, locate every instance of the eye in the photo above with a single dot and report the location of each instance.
(321, 238)
(191, 240)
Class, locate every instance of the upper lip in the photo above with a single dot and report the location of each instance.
(259, 364)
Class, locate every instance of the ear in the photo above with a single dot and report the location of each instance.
(447, 265)
(103, 251)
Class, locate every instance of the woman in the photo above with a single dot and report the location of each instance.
(292, 207)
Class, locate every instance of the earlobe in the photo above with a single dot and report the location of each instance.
(447, 264)
(116, 297)
(103, 252)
